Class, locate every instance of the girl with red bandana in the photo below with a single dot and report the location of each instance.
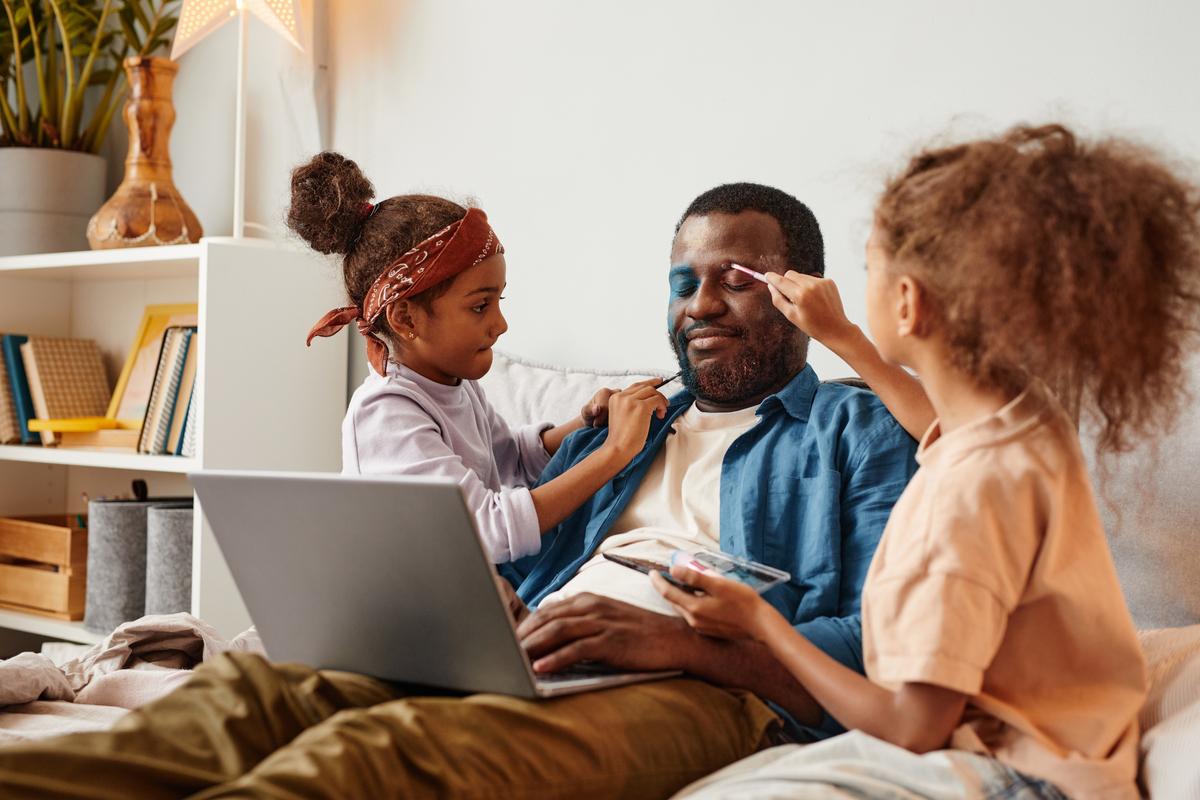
(425, 278)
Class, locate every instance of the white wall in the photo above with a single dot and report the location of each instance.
(584, 129)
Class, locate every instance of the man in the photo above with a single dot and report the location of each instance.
(757, 457)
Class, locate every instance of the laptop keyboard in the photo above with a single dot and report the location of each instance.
(578, 672)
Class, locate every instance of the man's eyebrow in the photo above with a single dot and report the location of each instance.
(683, 271)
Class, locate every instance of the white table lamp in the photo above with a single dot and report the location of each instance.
(199, 18)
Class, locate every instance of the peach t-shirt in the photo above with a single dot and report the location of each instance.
(993, 578)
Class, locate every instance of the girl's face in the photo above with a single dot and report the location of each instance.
(453, 339)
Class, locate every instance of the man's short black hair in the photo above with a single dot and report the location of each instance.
(801, 233)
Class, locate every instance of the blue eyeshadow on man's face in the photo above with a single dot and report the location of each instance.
(683, 280)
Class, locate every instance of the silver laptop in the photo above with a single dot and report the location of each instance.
(382, 576)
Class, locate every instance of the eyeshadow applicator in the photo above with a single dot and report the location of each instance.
(758, 276)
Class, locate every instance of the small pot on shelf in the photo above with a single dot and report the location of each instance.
(46, 199)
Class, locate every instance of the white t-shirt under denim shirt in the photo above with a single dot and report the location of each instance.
(676, 507)
(406, 424)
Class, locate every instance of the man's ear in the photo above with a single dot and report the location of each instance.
(399, 317)
(912, 307)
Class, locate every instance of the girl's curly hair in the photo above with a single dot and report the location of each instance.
(329, 210)
(1077, 263)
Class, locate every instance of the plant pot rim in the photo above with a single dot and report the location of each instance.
(5, 148)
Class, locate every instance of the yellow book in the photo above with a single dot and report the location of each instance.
(100, 440)
(74, 425)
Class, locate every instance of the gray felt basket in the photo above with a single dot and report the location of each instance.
(116, 564)
(169, 559)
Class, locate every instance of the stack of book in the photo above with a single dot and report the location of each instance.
(170, 426)
(49, 378)
(55, 391)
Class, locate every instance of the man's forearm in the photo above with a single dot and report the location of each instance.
(746, 664)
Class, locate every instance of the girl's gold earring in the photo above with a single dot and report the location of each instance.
(412, 335)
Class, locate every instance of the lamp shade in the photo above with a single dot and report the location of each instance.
(199, 18)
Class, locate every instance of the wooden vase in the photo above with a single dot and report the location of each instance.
(146, 209)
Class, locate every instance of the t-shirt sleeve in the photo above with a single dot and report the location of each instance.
(520, 454)
(939, 615)
(395, 436)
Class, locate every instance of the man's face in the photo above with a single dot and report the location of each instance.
(733, 346)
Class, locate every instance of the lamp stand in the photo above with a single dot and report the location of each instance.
(239, 147)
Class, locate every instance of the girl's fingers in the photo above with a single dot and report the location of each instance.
(673, 594)
(694, 577)
(800, 279)
(660, 406)
(780, 285)
(651, 396)
(780, 300)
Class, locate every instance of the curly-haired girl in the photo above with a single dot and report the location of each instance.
(1016, 276)
(425, 277)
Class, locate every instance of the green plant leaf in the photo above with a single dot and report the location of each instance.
(74, 47)
(128, 21)
(141, 14)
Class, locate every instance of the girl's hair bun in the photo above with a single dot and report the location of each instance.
(329, 196)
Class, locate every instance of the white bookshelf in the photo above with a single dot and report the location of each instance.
(266, 401)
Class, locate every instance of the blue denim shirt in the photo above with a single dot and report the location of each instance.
(807, 490)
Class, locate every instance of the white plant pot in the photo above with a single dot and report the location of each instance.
(46, 199)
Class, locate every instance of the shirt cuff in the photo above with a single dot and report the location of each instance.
(534, 455)
(524, 533)
(948, 673)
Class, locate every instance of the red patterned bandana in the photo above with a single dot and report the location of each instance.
(453, 249)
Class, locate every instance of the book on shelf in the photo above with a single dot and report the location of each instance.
(104, 439)
(22, 401)
(164, 391)
(10, 430)
(187, 442)
(66, 382)
(131, 398)
(183, 397)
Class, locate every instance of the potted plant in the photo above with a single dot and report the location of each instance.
(61, 84)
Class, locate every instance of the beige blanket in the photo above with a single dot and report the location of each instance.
(138, 662)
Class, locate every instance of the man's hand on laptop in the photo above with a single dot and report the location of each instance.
(587, 627)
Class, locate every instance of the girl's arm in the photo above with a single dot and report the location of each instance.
(917, 716)
(814, 306)
(629, 414)
(552, 438)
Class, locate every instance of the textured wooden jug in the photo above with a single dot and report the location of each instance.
(146, 209)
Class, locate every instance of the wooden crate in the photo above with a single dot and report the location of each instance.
(43, 565)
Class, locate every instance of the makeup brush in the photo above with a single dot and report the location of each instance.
(758, 276)
(665, 381)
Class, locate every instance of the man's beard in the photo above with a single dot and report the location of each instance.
(764, 365)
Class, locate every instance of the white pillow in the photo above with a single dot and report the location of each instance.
(1170, 719)
(524, 392)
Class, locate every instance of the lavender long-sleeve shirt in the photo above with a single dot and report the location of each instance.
(406, 424)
